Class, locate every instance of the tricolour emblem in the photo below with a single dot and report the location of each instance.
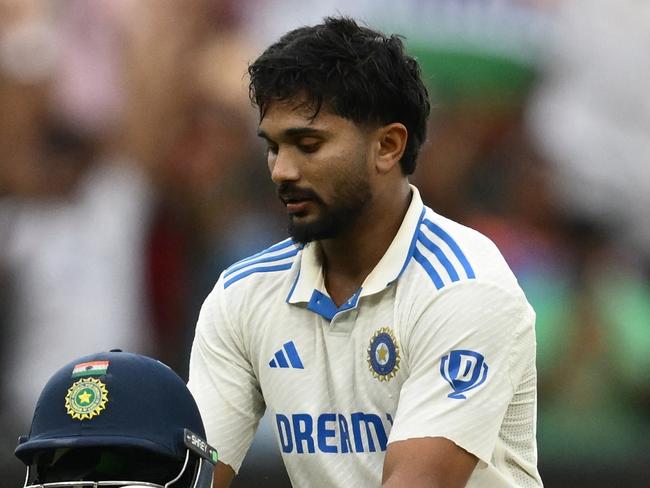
(86, 398)
(383, 354)
(464, 370)
(92, 368)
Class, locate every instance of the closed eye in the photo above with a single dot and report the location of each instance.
(308, 148)
(308, 145)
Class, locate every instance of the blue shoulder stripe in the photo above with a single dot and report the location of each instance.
(437, 230)
(261, 259)
(413, 241)
(453, 275)
(276, 247)
(433, 274)
(261, 269)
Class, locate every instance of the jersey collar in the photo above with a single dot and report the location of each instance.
(309, 284)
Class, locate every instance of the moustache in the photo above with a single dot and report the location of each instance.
(288, 192)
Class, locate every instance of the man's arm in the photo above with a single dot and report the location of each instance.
(466, 351)
(223, 475)
(224, 385)
(428, 462)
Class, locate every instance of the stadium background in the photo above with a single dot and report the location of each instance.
(130, 176)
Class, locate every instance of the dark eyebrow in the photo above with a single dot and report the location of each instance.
(294, 132)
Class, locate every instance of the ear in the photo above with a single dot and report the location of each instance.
(391, 141)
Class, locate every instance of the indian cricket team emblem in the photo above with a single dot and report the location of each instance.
(86, 398)
(464, 370)
(383, 354)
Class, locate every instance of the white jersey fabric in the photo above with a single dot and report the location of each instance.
(438, 341)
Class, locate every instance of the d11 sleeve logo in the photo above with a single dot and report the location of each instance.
(464, 370)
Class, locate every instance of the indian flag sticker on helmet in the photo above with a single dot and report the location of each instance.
(86, 398)
(92, 368)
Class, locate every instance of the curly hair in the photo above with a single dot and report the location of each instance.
(359, 73)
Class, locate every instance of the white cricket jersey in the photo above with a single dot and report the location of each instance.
(438, 341)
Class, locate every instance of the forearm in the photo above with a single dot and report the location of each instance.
(428, 462)
(223, 476)
(412, 480)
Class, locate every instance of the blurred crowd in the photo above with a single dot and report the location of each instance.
(131, 176)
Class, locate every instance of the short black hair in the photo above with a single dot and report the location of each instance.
(359, 73)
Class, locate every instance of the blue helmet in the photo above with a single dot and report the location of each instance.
(116, 419)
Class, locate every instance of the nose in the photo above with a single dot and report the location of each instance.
(283, 167)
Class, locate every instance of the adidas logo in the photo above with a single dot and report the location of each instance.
(280, 359)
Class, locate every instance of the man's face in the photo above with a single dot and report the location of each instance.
(320, 168)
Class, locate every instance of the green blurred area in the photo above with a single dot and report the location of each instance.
(459, 74)
(594, 374)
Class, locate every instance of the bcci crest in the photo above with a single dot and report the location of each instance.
(383, 354)
(464, 370)
(86, 398)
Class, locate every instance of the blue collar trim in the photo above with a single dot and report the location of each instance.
(325, 306)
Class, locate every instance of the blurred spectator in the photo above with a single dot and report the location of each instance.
(71, 253)
(590, 117)
(77, 166)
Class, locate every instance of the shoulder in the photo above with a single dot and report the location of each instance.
(448, 252)
(252, 284)
(267, 266)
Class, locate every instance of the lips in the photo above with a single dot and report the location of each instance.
(296, 200)
(295, 203)
(298, 207)
(289, 199)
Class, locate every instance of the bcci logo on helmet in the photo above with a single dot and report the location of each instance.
(464, 370)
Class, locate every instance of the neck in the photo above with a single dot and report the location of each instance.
(349, 258)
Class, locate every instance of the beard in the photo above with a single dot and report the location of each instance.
(335, 217)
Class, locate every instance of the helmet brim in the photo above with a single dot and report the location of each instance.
(26, 450)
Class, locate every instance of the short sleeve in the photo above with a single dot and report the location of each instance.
(466, 352)
(223, 383)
